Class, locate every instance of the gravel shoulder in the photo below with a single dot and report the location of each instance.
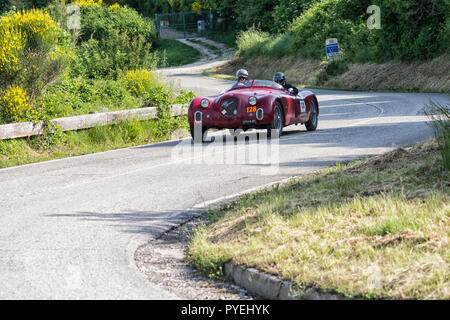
(163, 263)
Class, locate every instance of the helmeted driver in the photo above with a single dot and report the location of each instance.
(279, 78)
(242, 75)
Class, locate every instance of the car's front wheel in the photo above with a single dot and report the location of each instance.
(311, 125)
(276, 126)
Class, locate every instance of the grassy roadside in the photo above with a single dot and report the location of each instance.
(173, 53)
(228, 38)
(57, 145)
(418, 76)
(374, 228)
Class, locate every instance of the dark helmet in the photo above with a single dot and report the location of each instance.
(279, 77)
(242, 73)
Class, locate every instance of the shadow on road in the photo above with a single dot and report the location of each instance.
(154, 223)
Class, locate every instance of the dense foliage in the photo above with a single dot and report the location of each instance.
(410, 30)
(113, 39)
(34, 52)
(49, 70)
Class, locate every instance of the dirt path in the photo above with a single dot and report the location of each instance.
(190, 77)
(169, 33)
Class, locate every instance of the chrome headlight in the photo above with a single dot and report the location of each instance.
(252, 100)
(204, 103)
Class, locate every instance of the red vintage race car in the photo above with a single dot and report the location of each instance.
(260, 104)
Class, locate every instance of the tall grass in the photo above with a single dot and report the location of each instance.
(440, 116)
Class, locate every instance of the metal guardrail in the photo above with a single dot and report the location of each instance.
(28, 129)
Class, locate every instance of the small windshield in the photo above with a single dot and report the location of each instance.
(242, 84)
(267, 83)
(256, 83)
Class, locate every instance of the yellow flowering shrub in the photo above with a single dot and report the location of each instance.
(114, 7)
(146, 85)
(21, 31)
(31, 23)
(11, 44)
(34, 51)
(87, 3)
(139, 82)
(199, 5)
(15, 105)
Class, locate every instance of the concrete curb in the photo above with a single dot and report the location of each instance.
(272, 288)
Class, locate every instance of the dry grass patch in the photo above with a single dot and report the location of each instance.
(422, 76)
(418, 76)
(374, 228)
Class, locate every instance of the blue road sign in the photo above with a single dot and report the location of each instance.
(332, 48)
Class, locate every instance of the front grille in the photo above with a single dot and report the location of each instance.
(229, 107)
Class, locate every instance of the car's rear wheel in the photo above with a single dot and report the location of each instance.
(199, 136)
(311, 124)
(277, 122)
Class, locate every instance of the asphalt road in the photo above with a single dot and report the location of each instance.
(69, 228)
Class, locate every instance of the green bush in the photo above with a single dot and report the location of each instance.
(80, 96)
(410, 30)
(4, 6)
(113, 40)
(344, 20)
(288, 10)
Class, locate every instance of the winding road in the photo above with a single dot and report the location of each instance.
(69, 228)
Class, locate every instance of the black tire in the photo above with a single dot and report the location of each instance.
(198, 139)
(277, 122)
(311, 125)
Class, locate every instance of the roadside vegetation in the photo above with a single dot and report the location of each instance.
(383, 232)
(56, 144)
(226, 37)
(173, 53)
(48, 69)
(412, 76)
(373, 228)
(408, 53)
